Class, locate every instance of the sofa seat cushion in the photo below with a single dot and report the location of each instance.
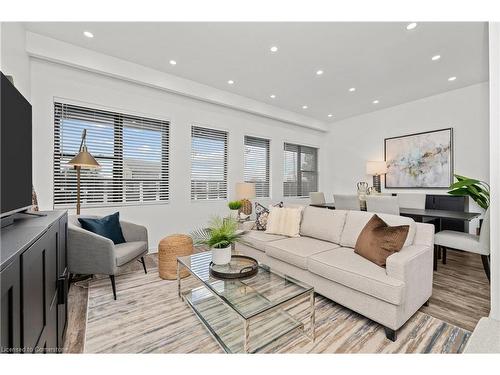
(127, 251)
(295, 251)
(356, 220)
(323, 224)
(345, 267)
(258, 238)
(460, 241)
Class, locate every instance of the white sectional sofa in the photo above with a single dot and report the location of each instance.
(323, 256)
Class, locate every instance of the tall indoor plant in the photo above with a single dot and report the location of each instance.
(478, 190)
(220, 234)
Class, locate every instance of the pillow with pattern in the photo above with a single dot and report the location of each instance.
(262, 213)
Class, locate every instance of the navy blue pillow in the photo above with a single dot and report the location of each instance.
(108, 226)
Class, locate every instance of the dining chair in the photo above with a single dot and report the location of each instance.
(450, 239)
(382, 204)
(346, 202)
(317, 197)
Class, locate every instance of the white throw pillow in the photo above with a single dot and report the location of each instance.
(284, 221)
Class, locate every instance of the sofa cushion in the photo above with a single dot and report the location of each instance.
(323, 224)
(127, 251)
(295, 251)
(355, 221)
(257, 239)
(377, 241)
(345, 267)
(284, 221)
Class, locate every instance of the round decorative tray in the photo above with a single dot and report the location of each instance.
(239, 267)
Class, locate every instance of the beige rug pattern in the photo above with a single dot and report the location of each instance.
(149, 317)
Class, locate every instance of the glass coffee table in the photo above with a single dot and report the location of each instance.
(244, 315)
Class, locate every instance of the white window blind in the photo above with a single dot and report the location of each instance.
(300, 170)
(132, 151)
(257, 156)
(208, 163)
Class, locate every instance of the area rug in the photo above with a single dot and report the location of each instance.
(149, 317)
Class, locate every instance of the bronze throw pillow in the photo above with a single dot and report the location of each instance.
(377, 240)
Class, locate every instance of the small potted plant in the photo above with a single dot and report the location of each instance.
(219, 236)
(234, 208)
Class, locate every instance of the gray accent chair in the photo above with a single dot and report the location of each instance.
(90, 253)
(449, 239)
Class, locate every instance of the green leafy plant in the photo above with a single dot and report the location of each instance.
(478, 190)
(221, 233)
(235, 205)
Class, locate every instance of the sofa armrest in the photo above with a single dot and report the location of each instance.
(409, 259)
(134, 232)
(414, 265)
(90, 253)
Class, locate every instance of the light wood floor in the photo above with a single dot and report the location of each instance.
(460, 296)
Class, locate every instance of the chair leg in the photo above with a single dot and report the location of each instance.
(143, 264)
(486, 265)
(436, 251)
(444, 255)
(390, 334)
(113, 285)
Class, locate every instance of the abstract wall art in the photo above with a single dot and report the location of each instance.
(422, 160)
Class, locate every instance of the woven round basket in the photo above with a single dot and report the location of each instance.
(169, 249)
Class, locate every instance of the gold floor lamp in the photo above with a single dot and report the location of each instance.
(82, 160)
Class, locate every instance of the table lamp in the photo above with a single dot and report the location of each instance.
(244, 192)
(376, 168)
(82, 160)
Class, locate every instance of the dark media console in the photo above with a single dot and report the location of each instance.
(34, 283)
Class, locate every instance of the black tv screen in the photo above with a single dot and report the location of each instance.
(15, 134)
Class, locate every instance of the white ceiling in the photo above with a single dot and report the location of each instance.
(384, 61)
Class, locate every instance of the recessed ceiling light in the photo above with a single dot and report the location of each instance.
(273, 49)
(88, 34)
(411, 26)
(173, 62)
(319, 72)
(436, 57)
(330, 115)
(375, 101)
(452, 78)
(352, 89)
(230, 82)
(305, 107)
(272, 96)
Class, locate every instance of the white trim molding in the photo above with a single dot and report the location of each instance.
(49, 49)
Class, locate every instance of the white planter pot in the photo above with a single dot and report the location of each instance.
(221, 256)
(233, 214)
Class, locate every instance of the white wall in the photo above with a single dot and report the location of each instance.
(14, 60)
(494, 56)
(52, 80)
(353, 141)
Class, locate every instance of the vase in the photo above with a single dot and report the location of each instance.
(221, 256)
(233, 214)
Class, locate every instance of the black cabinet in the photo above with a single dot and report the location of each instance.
(451, 203)
(10, 305)
(34, 284)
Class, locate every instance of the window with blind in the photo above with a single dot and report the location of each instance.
(132, 152)
(257, 156)
(300, 170)
(208, 163)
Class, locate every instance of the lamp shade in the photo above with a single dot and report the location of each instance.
(375, 168)
(245, 190)
(84, 159)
